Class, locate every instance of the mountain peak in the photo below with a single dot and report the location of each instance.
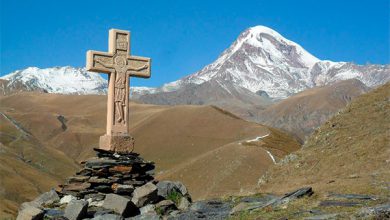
(263, 29)
(275, 44)
(262, 59)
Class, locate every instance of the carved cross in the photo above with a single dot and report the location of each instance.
(119, 65)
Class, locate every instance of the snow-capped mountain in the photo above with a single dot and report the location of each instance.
(263, 60)
(260, 63)
(64, 80)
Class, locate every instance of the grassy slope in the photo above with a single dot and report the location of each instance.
(27, 168)
(348, 154)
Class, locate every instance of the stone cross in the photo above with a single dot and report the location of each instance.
(119, 66)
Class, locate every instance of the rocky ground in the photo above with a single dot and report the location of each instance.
(122, 186)
(109, 186)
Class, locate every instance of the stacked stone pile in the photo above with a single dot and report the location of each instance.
(109, 173)
(110, 186)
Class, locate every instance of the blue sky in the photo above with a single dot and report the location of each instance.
(181, 37)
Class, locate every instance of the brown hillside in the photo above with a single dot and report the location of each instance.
(27, 167)
(302, 113)
(170, 136)
(348, 154)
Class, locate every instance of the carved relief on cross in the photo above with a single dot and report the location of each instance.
(118, 63)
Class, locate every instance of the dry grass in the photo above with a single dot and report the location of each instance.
(348, 154)
(190, 143)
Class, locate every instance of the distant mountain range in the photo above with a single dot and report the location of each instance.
(63, 80)
(261, 64)
(261, 77)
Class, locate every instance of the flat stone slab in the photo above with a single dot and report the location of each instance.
(122, 189)
(306, 191)
(77, 179)
(121, 169)
(100, 180)
(76, 186)
(353, 196)
(327, 203)
(252, 203)
(94, 163)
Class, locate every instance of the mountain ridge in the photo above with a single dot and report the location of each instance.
(262, 59)
(259, 60)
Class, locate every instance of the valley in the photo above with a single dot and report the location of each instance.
(181, 140)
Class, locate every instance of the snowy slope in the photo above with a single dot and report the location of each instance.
(63, 80)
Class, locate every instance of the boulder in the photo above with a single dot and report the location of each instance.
(76, 209)
(28, 211)
(46, 198)
(381, 211)
(121, 205)
(167, 187)
(145, 194)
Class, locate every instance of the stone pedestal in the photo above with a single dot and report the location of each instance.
(122, 144)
